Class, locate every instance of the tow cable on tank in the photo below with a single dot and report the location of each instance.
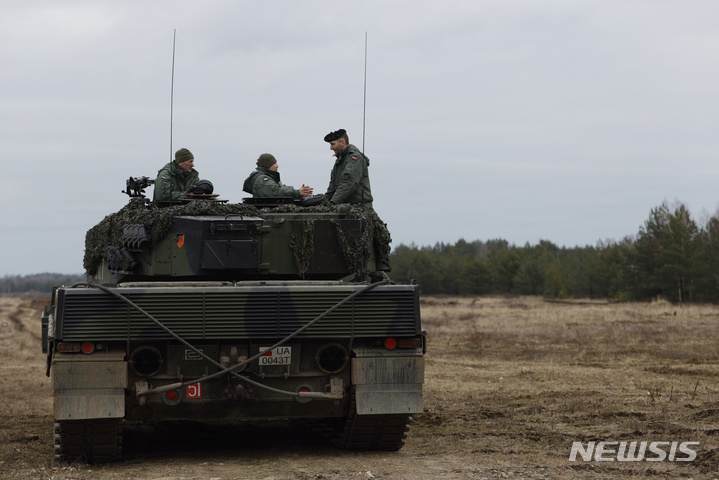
(231, 370)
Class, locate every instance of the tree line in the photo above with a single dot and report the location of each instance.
(38, 282)
(671, 256)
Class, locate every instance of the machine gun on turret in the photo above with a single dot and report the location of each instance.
(136, 186)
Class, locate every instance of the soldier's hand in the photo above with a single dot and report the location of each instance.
(305, 191)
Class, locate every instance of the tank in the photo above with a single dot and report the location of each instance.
(204, 310)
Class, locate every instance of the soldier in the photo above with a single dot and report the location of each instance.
(349, 180)
(175, 179)
(265, 181)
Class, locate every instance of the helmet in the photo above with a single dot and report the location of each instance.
(202, 187)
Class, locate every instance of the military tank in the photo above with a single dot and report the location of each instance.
(205, 310)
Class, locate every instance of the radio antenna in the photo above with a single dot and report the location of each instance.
(172, 88)
(364, 106)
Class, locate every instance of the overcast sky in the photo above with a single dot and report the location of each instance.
(559, 120)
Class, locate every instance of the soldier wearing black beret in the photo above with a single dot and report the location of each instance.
(349, 180)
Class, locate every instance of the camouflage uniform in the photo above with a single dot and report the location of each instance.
(172, 183)
(349, 181)
(266, 183)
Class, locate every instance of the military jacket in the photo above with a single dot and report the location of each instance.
(172, 183)
(266, 183)
(349, 180)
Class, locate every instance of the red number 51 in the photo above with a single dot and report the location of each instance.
(194, 390)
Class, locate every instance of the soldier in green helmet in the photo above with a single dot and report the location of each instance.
(265, 181)
(349, 180)
(175, 179)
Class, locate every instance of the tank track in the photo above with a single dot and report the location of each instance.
(92, 441)
(374, 432)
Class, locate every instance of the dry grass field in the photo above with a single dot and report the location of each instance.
(511, 383)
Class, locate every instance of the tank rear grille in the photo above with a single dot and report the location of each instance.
(237, 312)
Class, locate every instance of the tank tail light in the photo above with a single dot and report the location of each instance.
(68, 347)
(172, 398)
(410, 343)
(302, 399)
(75, 347)
(391, 343)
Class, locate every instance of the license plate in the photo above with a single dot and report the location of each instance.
(276, 356)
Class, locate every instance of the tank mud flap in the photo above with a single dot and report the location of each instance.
(388, 385)
(89, 403)
(89, 387)
(388, 399)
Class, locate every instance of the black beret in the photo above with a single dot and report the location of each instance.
(331, 137)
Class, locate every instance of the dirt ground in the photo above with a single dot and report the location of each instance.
(510, 384)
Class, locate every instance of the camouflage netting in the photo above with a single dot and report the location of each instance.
(302, 245)
(159, 220)
(355, 251)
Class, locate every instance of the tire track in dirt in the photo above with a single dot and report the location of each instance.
(18, 311)
(16, 320)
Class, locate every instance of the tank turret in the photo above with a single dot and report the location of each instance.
(209, 240)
